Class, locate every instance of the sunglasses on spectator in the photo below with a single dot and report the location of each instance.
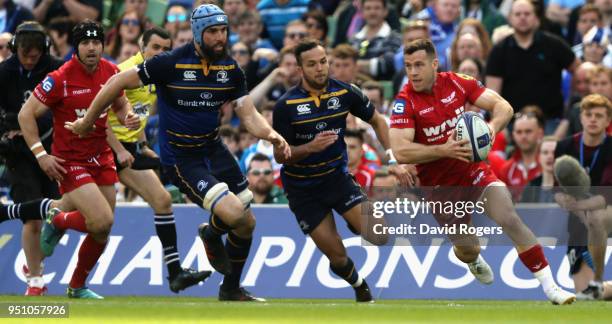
(128, 21)
(297, 35)
(313, 25)
(258, 172)
(177, 17)
(240, 52)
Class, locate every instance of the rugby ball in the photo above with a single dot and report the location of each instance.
(472, 127)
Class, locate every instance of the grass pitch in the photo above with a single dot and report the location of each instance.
(205, 310)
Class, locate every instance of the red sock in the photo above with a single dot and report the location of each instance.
(89, 253)
(70, 220)
(534, 258)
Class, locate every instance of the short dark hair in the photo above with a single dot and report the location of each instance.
(384, 2)
(259, 157)
(321, 19)
(28, 41)
(63, 26)
(345, 51)
(305, 46)
(355, 133)
(421, 44)
(531, 111)
(374, 85)
(229, 131)
(162, 33)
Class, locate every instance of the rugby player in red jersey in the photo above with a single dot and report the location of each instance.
(425, 113)
(83, 166)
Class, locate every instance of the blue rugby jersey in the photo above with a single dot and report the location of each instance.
(299, 116)
(190, 93)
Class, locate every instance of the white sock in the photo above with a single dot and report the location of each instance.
(37, 282)
(546, 279)
(358, 282)
(477, 261)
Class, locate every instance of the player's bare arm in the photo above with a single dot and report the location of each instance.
(501, 110)
(258, 126)
(406, 151)
(123, 110)
(320, 142)
(128, 79)
(50, 164)
(124, 157)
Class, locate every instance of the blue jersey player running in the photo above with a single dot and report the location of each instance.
(192, 83)
(312, 118)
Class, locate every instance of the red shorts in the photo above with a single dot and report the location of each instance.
(464, 193)
(100, 170)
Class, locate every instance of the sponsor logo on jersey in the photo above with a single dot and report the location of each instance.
(448, 124)
(189, 75)
(48, 84)
(303, 109)
(399, 106)
(321, 126)
(202, 185)
(222, 76)
(206, 95)
(80, 92)
(450, 99)
(80, 112)
(333, 103)
(426, 110)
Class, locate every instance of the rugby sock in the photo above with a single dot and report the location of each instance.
(70, 220)
(237, 250)
(166, 232)
(30, 210)
(89, 253)
(217, 227)
(348, 273)
(536, 262)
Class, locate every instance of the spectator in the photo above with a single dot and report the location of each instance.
(589, 16)
(471, 67)
(233, 9)
(5, 51)
(176, 18)
(546, 24)
(183, 36)
(443, 17)
(242, 54)
(350, 21)
(316, 24)
(525, 68)
(475, 28)
(276, 14)
(295, 31)
(127, 50)
(261, 146)
(376, 42)
(128, 28)
(261, 182)
(13, 15)
(464, 47)
(285, 76)
(559, 10)
(250, 28)
(410, 8)
(138, 6)
(599, 82)
(539, 190)
(483, 11)
(229, 136)
(246, 140)
(364, 175)
(523, 165)
(343, 65)
(60, 30)
(580, 82)
(77, 10)
(415, 29)
(595, 47)
(384, 186)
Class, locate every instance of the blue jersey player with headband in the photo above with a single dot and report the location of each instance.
(192, 83)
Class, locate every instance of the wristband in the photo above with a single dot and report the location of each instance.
(392, 160)
(41, 154)
(35, 145)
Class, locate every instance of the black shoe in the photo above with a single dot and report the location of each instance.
(238, 294)
(593, 291)
(187, 278)
(215, 252)
(362, 294)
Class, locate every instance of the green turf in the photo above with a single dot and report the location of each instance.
(189, 310)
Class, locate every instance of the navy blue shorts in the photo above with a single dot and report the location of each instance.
(310, 205)
(195, 175)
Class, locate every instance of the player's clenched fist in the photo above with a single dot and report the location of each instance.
(79, 127)
(321, 141)
(131, 121)
(459, 150)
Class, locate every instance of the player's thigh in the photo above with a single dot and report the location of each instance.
(225, 168)
(92, 204)
(498, 205)
(346, 197)
(327, 239)
(146, 184)
(308, 208)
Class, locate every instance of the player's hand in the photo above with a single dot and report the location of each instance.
(131, 121)
(52, 166)
(491, 132)
(280, 145)
(321, 141)
(405, 174)
(459, 150)
(566, 201)
(145, 151)
(79, 127)
(125, 158)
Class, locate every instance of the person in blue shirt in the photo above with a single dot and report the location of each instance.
(276, 14)
(192, 83)
(312, 118)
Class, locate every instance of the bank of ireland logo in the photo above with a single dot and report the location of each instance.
(321, 126)
(222, 76)
(202, 185)
(333, 103)
(206, 95)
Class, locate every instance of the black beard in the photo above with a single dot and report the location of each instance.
(211, 55)
(313, 84)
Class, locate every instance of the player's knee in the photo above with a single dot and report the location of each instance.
(337, 260)
(162, 201)
(214, 195)
(245, 196)
(509, 221)
(32, 226)
(101, 226)
(596, 220)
